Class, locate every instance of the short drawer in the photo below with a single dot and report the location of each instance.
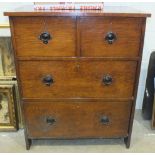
(45, 36)
(77, 79)
(77, 120)
(110, 36)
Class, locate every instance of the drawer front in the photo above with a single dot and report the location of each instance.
(30, 40)
(77, 120)
(110, 37)
(77, 79)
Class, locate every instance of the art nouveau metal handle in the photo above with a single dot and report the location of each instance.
(107, 80)
(105, 120)
(50, 120)
(48, 80)
(110, 37)
(45, 37)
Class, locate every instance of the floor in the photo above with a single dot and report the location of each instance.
(143, 140)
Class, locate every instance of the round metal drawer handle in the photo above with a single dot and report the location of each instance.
(110, 37)
(48, 80)
(50, 120)
(107, 80)
(45, 37)
(105, 120)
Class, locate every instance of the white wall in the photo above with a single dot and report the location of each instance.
(149, 44)
(5, 6)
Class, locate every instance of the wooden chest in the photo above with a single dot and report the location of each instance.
(78, 72)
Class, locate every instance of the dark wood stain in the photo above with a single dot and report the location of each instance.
(62, 31)
(77, 120)
(127, 30)
(81, 79)
(77, 104)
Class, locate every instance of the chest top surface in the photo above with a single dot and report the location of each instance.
(107, 11)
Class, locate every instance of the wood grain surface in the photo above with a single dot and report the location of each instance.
(94, 30)
(61, 29)
(78, 58)
(107, 11)
(77, 120)
(77, 79)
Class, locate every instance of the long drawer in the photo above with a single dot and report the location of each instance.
(77, 79)
(77, 120)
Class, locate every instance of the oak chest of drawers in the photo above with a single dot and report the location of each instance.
(78, 72)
